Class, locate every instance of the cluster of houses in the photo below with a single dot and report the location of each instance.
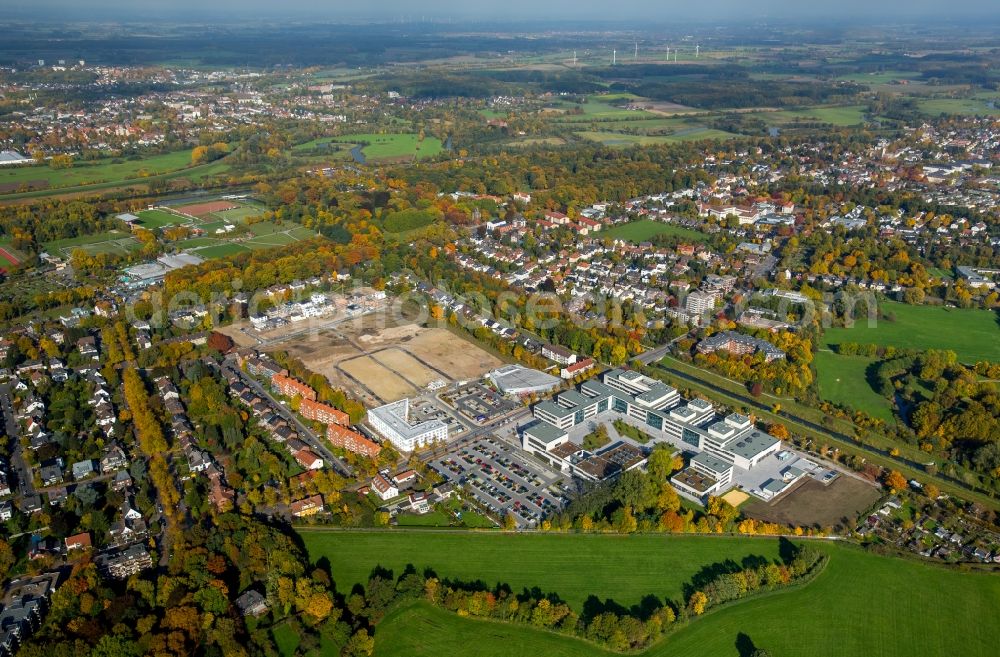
(268, 415)
(386, 487)
(199, 462)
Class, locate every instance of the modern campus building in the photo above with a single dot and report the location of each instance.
(392, 422)
(721, 444)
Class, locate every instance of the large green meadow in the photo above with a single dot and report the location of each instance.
(970, 333)
(861, 604)
(844, 380)
(645, 229)
(622, 568)
(98, 171)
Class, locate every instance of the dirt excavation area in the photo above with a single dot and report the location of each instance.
(381, 364)
(813, 504)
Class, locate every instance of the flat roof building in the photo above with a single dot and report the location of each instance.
(520, 380)
(392, 422)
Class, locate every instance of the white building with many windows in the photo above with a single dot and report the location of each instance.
(392, 422)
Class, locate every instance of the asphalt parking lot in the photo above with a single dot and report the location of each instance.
(502, 479)
(479, 404)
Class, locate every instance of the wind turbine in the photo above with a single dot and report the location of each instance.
(636, 55)
(614, 56)
(697, 48)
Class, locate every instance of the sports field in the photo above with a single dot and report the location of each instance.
(972, 334)
(213, 216)
(115, 242)
(843, 380)
(861, 605)
(574, 566)
(645, 229)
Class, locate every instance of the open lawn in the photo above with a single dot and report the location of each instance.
(574, 566)
(972, 334)
(861, 605)
(220, 250)
(645, 229)
(386, 146)
(98, 171)
(843, 380)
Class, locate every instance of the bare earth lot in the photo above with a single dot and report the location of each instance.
(403, 363)
(381, 363)
(814, 505)
(376, 377)
(451, 354)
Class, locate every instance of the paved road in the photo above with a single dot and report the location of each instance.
(305, 433)
(17, 463)
(654, 355)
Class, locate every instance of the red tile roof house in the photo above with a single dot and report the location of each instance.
(307, 459)
(78, 542)
(570, 371)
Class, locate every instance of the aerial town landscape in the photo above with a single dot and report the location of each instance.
(431, 329)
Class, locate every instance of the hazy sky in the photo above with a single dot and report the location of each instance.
(510, 10)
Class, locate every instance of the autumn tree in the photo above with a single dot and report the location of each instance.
(895, 481)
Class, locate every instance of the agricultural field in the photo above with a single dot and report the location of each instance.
(645, 229)
(693, 133)
(844, 380)
(971, 333)
(980, 104)
(574, 566)
(602, 106)
(847, 115)
(114, 242)
(861, 604)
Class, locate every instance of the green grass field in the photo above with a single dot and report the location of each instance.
(384, 146)
(107, 170)
(693, 133)
(153, 219)
(977, 105)
(623, 568)
(839, 116)
(842, 380)
(861, 605)
(972, 334)
(288, 640)
(645, 229)
(114, 242)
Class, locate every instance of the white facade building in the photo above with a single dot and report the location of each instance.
(392, 422)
